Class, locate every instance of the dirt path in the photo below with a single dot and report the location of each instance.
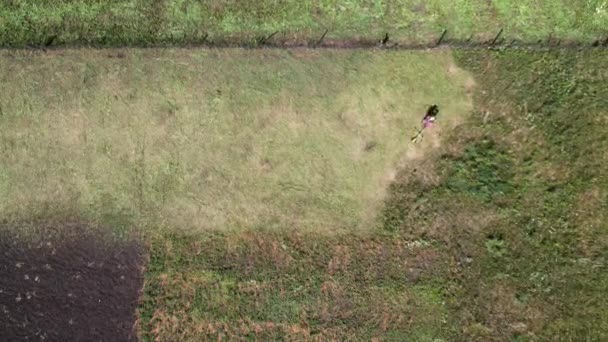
(549, 44)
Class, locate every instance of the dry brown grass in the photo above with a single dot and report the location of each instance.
(215, 139)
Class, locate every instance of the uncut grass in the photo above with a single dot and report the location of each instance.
(265, 285)
(211, 139)
(247, 23)
(520, 199)
(548, 114)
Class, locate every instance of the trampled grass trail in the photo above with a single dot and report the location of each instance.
(214, 139)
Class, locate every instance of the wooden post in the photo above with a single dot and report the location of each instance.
(441, 38)
(384, 40)
(263, 40)
(321, 39)
(469, 40)
(270, 36)
(49, 41)
(496, 38)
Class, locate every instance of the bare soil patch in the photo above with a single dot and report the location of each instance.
(74, 286)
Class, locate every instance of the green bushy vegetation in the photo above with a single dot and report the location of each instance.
(146, 22)
(521, 204)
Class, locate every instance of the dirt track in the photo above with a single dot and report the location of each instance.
(73, 288)
(542, 45)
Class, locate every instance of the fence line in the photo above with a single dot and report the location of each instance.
(498, 42)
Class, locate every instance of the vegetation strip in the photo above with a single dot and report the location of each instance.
(295, 22)
(497, 234)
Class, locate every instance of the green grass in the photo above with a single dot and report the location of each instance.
(263, 285)
(520, 203)
(496, 231)
(230, 139)
(548, 112)
(499, 233)
(260, 156)
(144, 22)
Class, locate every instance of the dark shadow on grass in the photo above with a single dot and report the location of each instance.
(68, 283)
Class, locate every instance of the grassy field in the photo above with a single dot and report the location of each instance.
(291, 286)
(237, 164)
(535, 162)
(143, 22)
(499, 234)
(230, 139)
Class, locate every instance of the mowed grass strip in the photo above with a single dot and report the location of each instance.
(208, 139)
(143, 22)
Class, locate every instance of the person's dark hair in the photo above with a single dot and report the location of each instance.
(432, 111)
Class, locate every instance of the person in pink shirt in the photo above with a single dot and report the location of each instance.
(427, 121)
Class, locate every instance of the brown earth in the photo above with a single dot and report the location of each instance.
(76, 286)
